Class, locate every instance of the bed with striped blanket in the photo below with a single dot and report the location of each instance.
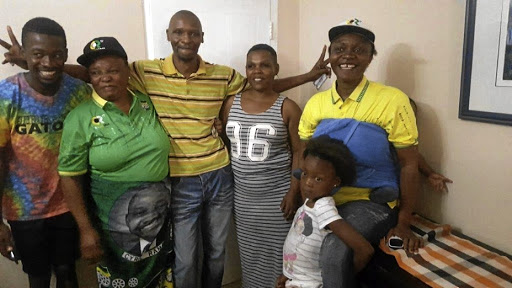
(449, 259)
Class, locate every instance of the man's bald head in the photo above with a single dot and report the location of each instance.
(185, 35)
(186, 14)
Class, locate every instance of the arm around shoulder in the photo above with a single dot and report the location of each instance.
(77, 71)
(223, 115)
(225, 108)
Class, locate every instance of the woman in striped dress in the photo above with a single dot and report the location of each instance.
(262, 128)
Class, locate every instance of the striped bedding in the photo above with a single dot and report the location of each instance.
(450, 261)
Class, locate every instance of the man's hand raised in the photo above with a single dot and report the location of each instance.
(13, 54)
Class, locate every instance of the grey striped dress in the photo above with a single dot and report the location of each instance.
(261, 161)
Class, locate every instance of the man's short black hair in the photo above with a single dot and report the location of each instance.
(42, 25)
(335, 152)
(264, 47)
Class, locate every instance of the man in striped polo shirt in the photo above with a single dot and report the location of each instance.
(188, 93)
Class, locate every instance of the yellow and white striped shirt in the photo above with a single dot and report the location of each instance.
(187, 108)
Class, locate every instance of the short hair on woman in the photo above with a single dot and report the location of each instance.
(42, 25)
(264, 47)
(336, 152)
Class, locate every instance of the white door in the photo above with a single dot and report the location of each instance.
(231, 27)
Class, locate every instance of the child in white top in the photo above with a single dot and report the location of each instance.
(327, 164)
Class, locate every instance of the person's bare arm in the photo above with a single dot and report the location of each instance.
(409, 185)
(318, 69)
(6, 242)
(77, 71)
(363, 250)
(291, 117)
(223, 117)
(90, 246)
(14, 57)
(436, 180)
(281, 281)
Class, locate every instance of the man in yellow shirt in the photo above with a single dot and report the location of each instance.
(188, 93)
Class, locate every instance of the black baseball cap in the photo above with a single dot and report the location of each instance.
(350, 26)
(101, 46)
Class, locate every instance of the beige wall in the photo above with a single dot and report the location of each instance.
(82, 20)
(420, 52)
(287, 42)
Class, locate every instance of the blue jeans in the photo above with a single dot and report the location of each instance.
(202, 206)
(372, 220)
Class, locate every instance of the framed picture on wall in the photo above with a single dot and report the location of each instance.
(504, 68)
(486, 82)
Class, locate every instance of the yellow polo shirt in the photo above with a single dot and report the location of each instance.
(187, 109)
(370, 102)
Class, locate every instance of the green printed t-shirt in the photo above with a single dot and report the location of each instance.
(135, 232)
(99, 137)
(127, 158)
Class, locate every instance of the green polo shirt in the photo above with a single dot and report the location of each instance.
(99, 137)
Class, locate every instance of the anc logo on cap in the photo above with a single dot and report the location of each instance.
(354, 21)
(95, 45)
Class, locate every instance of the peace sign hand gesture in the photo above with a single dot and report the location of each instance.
(320, 66)
(13, 54)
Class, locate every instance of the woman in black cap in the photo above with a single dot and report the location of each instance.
(117, 139)
(386, 112)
